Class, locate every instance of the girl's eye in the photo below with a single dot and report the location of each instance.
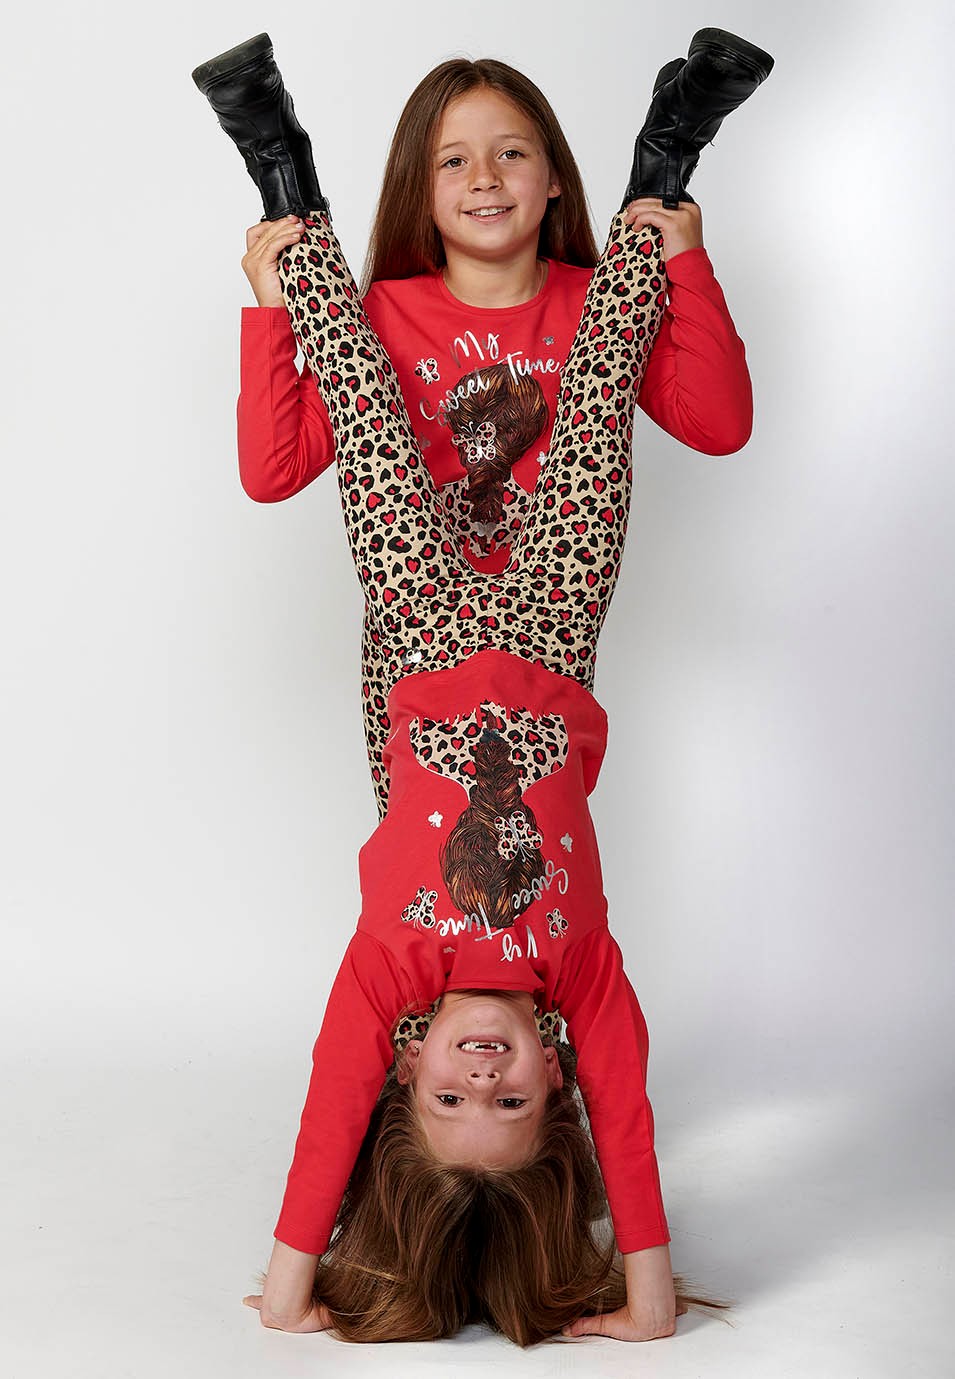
(512, 153)
(510, 1103)
(452, 161)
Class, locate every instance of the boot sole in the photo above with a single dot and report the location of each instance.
(731, 46)
(232, 61)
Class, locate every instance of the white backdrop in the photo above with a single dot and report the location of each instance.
(185, 787)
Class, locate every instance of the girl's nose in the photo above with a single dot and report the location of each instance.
(484, 177)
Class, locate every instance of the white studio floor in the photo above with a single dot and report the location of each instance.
(139, 1205)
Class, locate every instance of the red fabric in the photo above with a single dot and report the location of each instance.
(696, 385)
(391, 963)
(697, 388)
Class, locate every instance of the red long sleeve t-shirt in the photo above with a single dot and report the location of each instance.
(412, 943)
(696, 385)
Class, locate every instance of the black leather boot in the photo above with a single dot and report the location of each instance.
(246, 91)
(691, 99)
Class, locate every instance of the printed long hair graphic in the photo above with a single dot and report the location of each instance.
(492, 428)
(492, 854)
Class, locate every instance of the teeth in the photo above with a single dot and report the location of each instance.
(474, 1045)
(496, 210)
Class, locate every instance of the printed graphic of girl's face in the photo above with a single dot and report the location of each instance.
(492, 178)
(482, 1106)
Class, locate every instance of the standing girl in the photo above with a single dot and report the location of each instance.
(487, 678)
(477, 305)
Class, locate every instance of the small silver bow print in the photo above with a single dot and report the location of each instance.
(516, 836)
(420, 912)
(478, 443)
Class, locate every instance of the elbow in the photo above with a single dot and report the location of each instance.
(255, 488)
(731, 435)
(730, 418)
(266, 479)
(730, 442)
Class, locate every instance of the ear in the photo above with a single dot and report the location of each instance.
(407, 1063)
(553, 187)
(555, 1077)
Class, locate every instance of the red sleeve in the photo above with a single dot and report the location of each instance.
(284, 433)
(696, 384)
(352, 1054)
(605, 1026)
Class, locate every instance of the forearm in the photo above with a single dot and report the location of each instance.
(651, 1307)
(649, 1277)
(350, 1060)
(642, 1267)
(607, 1028)
(697, 385)
(283, 432)
(287, 1294)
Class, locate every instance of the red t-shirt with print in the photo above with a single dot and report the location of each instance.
(446, 353)
(412, 942)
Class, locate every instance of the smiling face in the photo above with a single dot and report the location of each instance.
(491, 179)
(481, 1078)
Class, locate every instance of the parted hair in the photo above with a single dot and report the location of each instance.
(473, 869)
(404, 240)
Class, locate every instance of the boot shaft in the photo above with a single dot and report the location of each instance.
(245, 89)
(695, 103)
(691, 99)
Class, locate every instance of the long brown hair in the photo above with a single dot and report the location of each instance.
(422, 1248)
(404, 240)
(475, 873)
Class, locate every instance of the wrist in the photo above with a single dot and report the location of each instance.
(684, 249)
(647, 1269)
(289, 1281)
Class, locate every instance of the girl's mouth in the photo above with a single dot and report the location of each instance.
(484, 1045)
(489, 212)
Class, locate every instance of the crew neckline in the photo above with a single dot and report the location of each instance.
(449, 296)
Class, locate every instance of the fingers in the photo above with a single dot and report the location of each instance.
(269, 236)
(316, 1318)
(266, 242)
(648, 206)
(584, 1326)
(681, 228)
(619, 1326)
(650, 210)
(655, 203)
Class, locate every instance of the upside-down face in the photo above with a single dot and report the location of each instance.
(481, 1078)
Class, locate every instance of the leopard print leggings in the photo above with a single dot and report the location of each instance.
(426, 607)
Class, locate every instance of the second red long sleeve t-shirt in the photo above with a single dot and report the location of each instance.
(412, 943)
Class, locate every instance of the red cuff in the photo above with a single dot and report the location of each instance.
(692, 265)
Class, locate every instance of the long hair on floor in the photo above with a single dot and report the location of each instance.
(422, 1248)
